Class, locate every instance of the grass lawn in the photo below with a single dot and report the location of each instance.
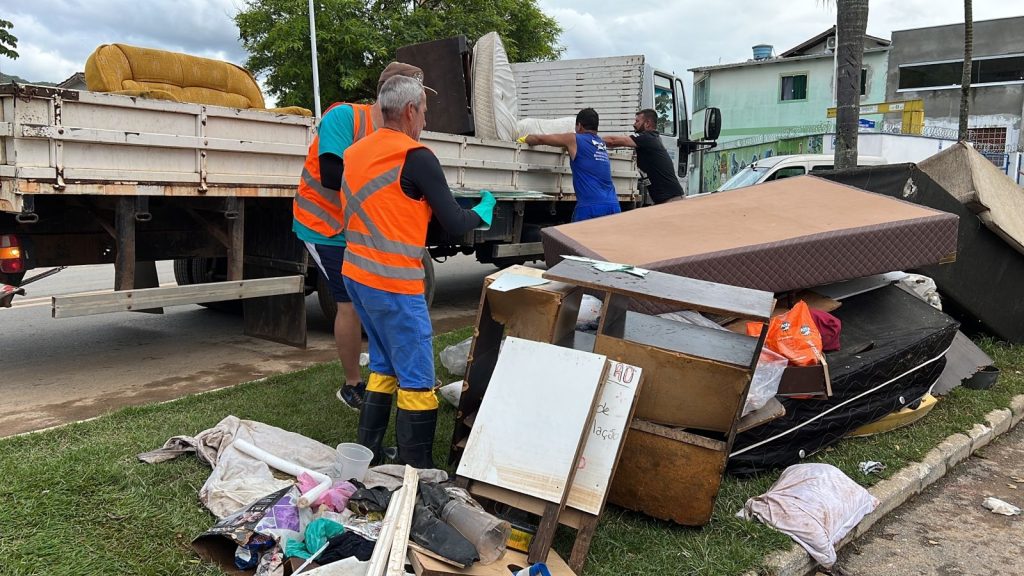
(75, 500)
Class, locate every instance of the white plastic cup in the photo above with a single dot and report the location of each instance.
(353, 461)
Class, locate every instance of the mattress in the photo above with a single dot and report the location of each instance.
(778, 236)
(982, 287)
(893, 349)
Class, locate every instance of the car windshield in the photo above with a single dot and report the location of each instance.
(746, 177)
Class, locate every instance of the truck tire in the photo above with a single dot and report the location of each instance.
(202, 270)
(330, 308)
(323, 295)
(183, 271)
(12, 279)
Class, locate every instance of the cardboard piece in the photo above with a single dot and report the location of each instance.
(508, 565)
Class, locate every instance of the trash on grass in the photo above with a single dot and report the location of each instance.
(452, 393)
(871, 467)
(455, 357)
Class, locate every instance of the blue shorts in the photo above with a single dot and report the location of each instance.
(588, 211)
(329, 260)
(398, 330)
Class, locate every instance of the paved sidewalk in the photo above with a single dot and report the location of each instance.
(945, 530)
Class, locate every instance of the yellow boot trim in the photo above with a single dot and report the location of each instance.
(381, 383)
(416, 400)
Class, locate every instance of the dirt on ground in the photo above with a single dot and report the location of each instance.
(945, 530)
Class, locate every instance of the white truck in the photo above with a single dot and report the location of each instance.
(88, 178)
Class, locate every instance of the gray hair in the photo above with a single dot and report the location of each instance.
(396, 93)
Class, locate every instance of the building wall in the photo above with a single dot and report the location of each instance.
(749, 96)
(990, 106)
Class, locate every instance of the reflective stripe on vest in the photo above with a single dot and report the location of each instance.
(375, 239)
(317, 207)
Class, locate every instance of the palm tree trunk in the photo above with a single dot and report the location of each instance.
(851, 25)
(965, 81)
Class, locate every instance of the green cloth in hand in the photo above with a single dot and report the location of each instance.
(485, 209)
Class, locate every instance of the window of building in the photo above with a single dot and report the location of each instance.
(995, 70)
(794, 87)
(863, 81)
(665, 105)
(701, 92)
(988, 140)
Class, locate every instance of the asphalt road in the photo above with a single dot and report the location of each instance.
(61, 370)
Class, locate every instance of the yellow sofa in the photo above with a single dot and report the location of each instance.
(162, 75)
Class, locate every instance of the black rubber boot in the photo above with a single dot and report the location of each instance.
(373, 423)
(415, 432)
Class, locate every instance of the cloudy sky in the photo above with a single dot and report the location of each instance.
(56, 36)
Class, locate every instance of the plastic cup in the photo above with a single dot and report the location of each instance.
(353, 461)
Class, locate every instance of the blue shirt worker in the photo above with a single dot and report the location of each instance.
(392, 187)
(318, 218)
(591, 169)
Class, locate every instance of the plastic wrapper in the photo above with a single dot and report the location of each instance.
(765, 382)
(455, 357)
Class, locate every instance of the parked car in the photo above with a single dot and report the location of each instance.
(779, 167)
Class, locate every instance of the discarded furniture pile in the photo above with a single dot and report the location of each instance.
(555, 421)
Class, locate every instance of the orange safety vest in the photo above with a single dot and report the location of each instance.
(316, 207)
(385, 230)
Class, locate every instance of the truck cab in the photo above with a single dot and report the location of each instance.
(786, 166)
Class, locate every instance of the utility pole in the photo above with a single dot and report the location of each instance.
(316, 69)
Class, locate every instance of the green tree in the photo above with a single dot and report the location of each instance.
(851, 25)
(357, 38)
(8, 41)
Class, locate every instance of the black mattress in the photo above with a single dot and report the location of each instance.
(982, 286)
(892, 352)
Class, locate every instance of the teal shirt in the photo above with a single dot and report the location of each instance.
(335, 133)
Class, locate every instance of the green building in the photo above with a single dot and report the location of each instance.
(769, 99)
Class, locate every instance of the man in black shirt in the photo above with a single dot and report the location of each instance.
(651, 157)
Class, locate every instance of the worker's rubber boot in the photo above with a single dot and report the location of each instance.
(376, 413)
(415, 425)
(415, 432)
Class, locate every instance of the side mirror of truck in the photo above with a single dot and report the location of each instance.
(712, 123)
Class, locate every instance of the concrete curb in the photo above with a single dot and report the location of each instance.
(905, 484)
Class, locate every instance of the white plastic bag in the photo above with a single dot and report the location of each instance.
(452, 392)
(455, 357)
(814, 504)
(765, 382)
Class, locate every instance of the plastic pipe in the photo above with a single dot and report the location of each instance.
(287, 467)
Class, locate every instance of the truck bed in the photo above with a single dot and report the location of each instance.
(68, 142)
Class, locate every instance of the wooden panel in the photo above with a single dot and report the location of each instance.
(87, 304)
(533, 449)
(682, 390)
(612, 414)
(665, 476)
(509, 564)
(686, 293)
(770, 411)
(718, 345)
(545, 313)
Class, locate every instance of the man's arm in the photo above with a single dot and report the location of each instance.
(567, 141)
(422, 177)
(619, 141)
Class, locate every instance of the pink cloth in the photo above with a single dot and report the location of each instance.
(829, 326)
(335, 498)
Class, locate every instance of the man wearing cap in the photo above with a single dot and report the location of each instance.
(391, 188)
(317, 217)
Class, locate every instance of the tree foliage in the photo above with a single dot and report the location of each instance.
(8, 41)
(357, 38)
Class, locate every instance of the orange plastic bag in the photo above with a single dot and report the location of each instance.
(794, 335)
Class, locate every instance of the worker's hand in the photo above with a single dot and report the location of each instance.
(485, 209)
(522, 139)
